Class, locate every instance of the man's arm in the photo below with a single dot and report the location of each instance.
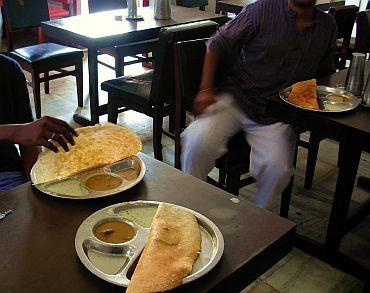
(206, 94)
(227, 41)
(29, 155)
(39, 133)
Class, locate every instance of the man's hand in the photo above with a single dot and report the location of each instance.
(42, 131)
(203, 99)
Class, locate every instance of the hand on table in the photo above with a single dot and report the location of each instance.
(42, 131)
(204, 99)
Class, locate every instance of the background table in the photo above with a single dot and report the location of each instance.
(235, 6)
(352, 131)
(102, 30)
(37, 239)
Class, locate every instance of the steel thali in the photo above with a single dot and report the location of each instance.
(127, 173)
(326, 103)
(115, 262)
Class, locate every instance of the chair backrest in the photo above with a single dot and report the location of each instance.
(189, 61)
(25, 14)
(105, 5)
(345, 17)
(163, 82)
(363, 32)
(192, 3)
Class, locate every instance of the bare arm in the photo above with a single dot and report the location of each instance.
(39, 133)
(206, 95)
(29, 156)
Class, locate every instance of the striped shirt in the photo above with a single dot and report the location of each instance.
(265, 53)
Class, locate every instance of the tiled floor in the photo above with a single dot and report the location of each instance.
(298, 272)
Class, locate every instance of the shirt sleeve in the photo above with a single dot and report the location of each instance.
(235, 33)
(22, 108)
(327, 62)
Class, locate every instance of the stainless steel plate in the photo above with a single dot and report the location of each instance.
(324, 102)
(131, 170)
(114, 262)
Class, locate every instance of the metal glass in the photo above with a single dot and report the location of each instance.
(366, 96)
(355, 75)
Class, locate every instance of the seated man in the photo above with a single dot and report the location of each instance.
(16, 127)
(276, 43)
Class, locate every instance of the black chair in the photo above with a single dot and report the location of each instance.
(138, 50)
(345, 17)
(193, 3)
(189, 57)
(41, 58)
(363, 32)
(153, 93)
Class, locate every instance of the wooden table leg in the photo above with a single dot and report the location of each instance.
(342, 197)
(93, 91)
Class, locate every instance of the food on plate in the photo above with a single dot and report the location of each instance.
(304, 94)
(96, 146)
(338, 98)
(102, 182)
(114, 231)
(173, 245)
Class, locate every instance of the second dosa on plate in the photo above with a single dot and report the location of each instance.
(173, 246)
(304, 94)
(96, 146)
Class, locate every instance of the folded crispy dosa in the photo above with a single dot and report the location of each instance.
(173, 245)
(96, 146)
(304, 94)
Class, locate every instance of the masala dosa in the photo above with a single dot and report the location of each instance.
(173, 246)
(304, 94)
(96, 146)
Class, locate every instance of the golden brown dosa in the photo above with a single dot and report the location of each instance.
(173, 245)
(304, 94)
(96, 146)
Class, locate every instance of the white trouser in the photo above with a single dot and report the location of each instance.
(272, 148)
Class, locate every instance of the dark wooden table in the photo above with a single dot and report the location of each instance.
(235, 6)
(352, 130)
(37, 239)
(102, 30)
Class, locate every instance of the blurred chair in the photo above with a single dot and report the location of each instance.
(363, 32)
(189, 57)
(138, 50)
(62, 8)
(193, 3)
(43, 57)
(345, 17)
(153, 93)
(105, 5)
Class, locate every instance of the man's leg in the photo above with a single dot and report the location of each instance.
(272, 155)
(206, 138)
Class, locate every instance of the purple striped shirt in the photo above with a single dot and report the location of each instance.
(266, 53)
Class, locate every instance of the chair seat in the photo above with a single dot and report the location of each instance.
(238, 152)
(133, 88)
(43, 53)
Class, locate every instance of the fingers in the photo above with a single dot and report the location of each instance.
(63, 124)
(59, 130)
(49, 145)
(59, 139)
